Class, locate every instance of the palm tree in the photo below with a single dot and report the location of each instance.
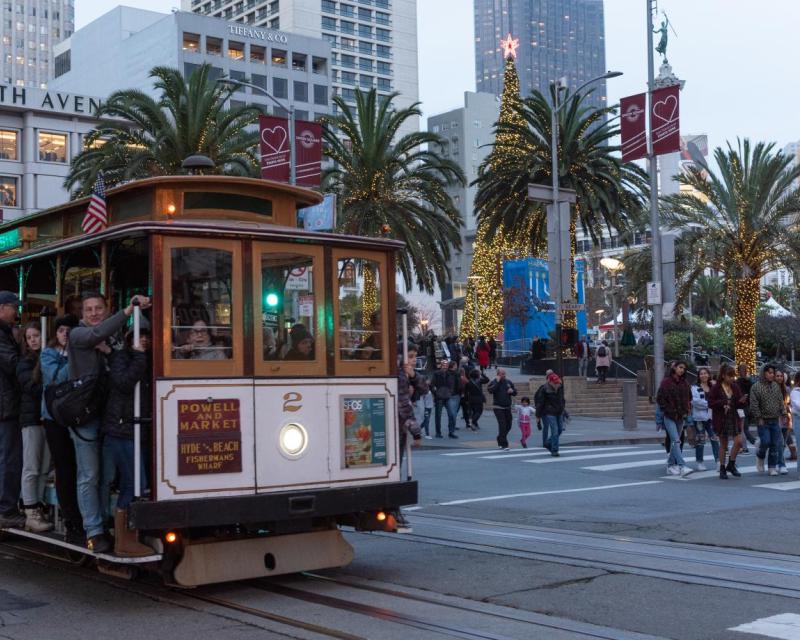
(393, 188)
(151, 137)
(610, 193)
(709, 297)
(739, 219)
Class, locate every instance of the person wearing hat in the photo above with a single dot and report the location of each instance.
(302, 344)
(54, 365)
(550, 405)
(10, 432)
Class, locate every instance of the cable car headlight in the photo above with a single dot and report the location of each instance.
(293, 439)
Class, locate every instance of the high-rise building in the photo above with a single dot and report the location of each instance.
(557, 38)
(293, 68)
(467, 134)
(374, 42)
(29, 29)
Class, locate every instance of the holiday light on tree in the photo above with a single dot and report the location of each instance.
(486, 272)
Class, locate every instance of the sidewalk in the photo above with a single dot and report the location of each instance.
(579, 431)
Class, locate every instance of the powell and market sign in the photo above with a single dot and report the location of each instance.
(55, 101)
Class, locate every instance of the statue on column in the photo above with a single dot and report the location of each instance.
(661, 47)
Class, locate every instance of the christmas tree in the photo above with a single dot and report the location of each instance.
(491, 249)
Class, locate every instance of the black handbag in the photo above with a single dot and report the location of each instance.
(74, 402)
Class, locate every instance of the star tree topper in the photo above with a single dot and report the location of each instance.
(509, 46)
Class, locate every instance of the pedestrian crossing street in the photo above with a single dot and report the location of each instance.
(620, 458)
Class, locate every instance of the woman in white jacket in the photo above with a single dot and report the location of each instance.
(794, 402)
(701, 415)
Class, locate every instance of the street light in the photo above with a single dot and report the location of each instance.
(614, 266)
(288, 108)
(555, 211)
(475, 303)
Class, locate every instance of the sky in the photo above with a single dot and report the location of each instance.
(738, 59)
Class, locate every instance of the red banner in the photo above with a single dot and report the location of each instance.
(665, 121)
(275, 150)
(633, 127)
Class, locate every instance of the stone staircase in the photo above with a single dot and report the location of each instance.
(589, 399)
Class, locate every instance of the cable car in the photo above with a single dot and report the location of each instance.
(274, 388)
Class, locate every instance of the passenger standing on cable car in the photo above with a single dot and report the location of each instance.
(88, 347)
(10, 434)
(55, 370)
(127, 367)
(35, 454)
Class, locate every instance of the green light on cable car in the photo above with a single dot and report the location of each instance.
(271, 299)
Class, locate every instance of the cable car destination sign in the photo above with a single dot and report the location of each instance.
(209, 437)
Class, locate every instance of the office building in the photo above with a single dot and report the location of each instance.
(374, 42)
(41, 131)
(29, 29)
(467, 133)
(293, 68)
(557, 38)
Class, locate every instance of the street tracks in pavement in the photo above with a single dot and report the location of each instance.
(741, 569)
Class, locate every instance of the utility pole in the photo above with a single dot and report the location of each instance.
(652, 162)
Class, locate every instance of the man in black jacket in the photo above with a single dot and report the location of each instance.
(10, 433)
(502, 390)
(446, 387)
(550, 405)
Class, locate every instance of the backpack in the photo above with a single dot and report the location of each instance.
(601, 351)
(74, 402)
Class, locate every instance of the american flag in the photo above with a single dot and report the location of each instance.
(96, 218)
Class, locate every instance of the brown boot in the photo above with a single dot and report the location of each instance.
(792, 452)
(126, 541)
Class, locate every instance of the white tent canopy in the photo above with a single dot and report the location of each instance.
(775, 309)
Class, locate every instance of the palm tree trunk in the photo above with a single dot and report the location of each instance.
(744, 321)
(369, 300)
(570, 317)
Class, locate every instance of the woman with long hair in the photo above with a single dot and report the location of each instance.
(675, 402)
(727, 401)
(794, 402)
(785, 423)
(55, 369)
(35, 453)
(701, 415)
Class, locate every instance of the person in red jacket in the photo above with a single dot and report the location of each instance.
(483, 351)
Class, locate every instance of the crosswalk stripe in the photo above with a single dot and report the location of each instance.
(481, 452)
(626, 465)
(592, 457)
(782, 486)
(545, 452)
(784, 626)
(699, 475)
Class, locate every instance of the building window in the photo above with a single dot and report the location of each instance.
(189, 69)
(300, 91)
(330, 39)
(8, 191)
(382, 18)
(328, 6)
(319, 66)
(348, 77)
(8, 144)
(52, 147)
(280, 88)
(365, 82)
(191, 42)
(364, 14)
(328, 23)
(299, 61)
(348, 61)
(257, 54)
(384, 84)
(236, 50)
(301, 114)
(364, 31)
(320, 94)
(383, 34)
(347, 27)
(238, 75)
(63, 63)
(275, 23)
(259, 80)
(365, 64)
(213, 46)
(384, 68)
(384, 51)
(348, 44)
(365, 47)
(347, 10)
(278, 58)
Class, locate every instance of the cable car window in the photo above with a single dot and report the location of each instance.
(288, 306)
(202, 304)
(227, 201)
(359, 310)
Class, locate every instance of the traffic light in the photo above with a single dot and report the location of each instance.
(271, 300)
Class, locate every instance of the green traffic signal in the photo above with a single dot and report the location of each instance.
(271, 299)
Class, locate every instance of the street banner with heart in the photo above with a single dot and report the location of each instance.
(665, 121)
(274, 148)
(633, 126)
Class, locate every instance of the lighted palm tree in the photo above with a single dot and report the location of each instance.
(152, 137)
(393, 187)
(610, 193)
(741, 223)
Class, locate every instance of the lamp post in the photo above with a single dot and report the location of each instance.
(288, 108)
(556, 278)
(614, 266)
(475, 304)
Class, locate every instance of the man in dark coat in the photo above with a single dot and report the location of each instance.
(502, 390)
(10, 433)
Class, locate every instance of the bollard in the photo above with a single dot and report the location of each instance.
(629, 402)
